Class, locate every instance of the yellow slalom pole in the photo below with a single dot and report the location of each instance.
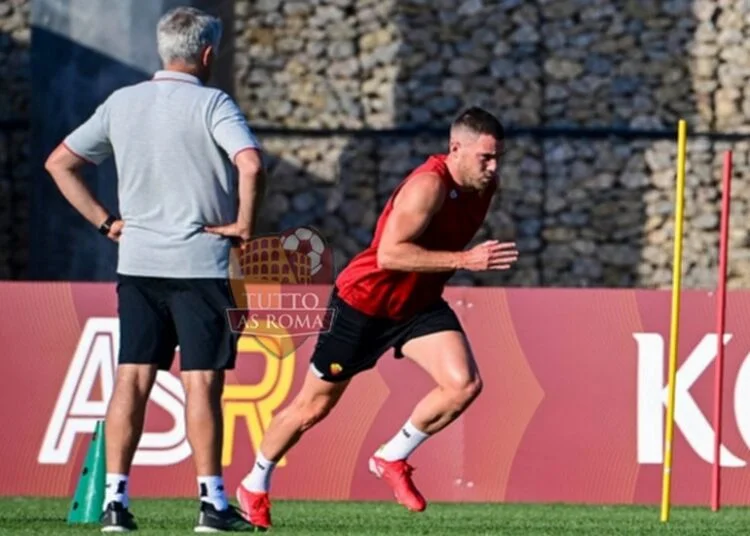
(675, 323)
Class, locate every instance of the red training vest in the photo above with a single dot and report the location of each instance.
(399, 295)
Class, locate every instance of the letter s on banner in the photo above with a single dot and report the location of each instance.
(75, 413)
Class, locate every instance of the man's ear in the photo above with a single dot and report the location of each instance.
(208, 56)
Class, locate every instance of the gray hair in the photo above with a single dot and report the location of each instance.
(183, 33)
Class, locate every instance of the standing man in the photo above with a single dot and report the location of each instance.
(175, 142)
(390, 296)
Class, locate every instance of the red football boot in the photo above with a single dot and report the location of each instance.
(257, 506)
(397, 475)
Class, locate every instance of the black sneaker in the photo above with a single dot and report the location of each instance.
(230, 520)
(117, 518)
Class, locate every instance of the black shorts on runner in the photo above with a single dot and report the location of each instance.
(355, 341)
(156, 314)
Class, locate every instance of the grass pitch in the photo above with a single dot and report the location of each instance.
(47, 516)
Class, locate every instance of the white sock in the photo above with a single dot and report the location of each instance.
(403, 443)
(259, 479)
(116, 489)
(211, 489)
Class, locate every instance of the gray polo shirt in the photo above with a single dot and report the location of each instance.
(174, 142)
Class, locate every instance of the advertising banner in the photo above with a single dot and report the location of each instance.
(573, 406)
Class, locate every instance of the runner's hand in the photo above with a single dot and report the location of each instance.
(490, 255)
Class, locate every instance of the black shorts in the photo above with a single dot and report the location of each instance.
(157, 314)
(355, 341)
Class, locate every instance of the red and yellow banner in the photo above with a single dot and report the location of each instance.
(572, 410)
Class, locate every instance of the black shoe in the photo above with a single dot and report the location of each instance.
(230, 520)
(117, 518)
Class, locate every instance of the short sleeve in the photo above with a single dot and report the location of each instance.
(230, 129)
(90, 140)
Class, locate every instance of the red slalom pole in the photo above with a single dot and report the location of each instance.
(720, 318)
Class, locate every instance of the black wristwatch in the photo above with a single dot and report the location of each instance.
(105, 227)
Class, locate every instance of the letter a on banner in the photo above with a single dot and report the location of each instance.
(77, 413)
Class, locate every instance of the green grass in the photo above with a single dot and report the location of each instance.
(47, 516)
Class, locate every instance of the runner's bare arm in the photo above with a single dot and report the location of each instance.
(413, 208)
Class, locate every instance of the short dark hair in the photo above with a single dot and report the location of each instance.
(480, 121)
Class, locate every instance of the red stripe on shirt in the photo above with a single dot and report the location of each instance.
(174, 80)
(242, 151)
(78, 155)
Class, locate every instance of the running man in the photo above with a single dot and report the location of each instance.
(390, 296)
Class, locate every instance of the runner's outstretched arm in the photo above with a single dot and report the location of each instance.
(413, 208)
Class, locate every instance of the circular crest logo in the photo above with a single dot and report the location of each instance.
(281, 284)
